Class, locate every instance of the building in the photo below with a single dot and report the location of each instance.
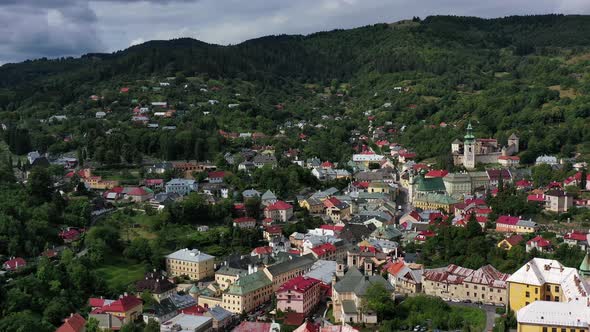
(348, 293)
(288, 269)
(279, 211)
(74, 323)
(474, 151)
(247, 293)
(543, 316)
(510, 242)
(245, 222)
(539, 243)
(313, 205)
(558, 201)
(216, 177)
(187, 323)
(509, 161)
(125, 309)
(181, 186)
(14, 264)
(300, 294)
(268, 198)
(337, 210)
(226, 276)
(157, 285)
(405, 278)
(545, 280)
(191, 263)
(435, 201)
(510, 224)
(453, 282)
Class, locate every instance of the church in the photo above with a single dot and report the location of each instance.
(473, 151)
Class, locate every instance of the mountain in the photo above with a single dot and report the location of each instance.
(522, 73)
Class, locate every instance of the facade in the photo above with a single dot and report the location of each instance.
(300, 294)
(337, 210)
(405, 278)
(181, 186)
(547, 297)
(226, 276)
(435, 201)
(245, 222)
(284, 271)
(558, 201)
(474, 151)
(190, 262)
(348, 293)
(247, 293)
(126, 308)
(485, 284)
(313, 205)
(279, 211)
(157, 285)
(510, 224)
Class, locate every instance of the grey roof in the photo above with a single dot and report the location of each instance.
(322, 270)
(268, 195)
(192, 255)
(265, 159)
(354, 281)
(291, 264)
(230, 271)
(251, 193)
(182, 301)
(181, 181)
(349, 307)
(218, 313)
(165, 307)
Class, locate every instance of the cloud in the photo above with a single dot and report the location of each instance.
(52, 28)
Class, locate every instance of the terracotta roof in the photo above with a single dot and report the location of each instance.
(396, 267)
(244, 220)
(577, 236)
(299, 284)
(279, 205)
(540, 241)
(217, 174)
(14, 263)
(515, 239)
(437, 173)
(123, 304)
(137, 192)
(252, 327)
(266, 250)
(273, 229)
(74, 323)
(507, 220)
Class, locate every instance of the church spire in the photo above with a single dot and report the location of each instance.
(469, 138)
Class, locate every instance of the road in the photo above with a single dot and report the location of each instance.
(489, 309)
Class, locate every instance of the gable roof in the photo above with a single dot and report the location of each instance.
(354, 281)
(279, 205)
(74, 323)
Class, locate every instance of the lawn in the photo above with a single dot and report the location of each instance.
(474, 317)
(120, 273)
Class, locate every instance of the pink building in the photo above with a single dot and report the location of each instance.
(300, 294)
(279, 211)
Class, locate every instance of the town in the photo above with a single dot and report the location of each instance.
(197, 200)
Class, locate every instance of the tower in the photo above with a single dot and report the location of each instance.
(513, 141)
(469, 149)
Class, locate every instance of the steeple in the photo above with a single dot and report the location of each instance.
(469, 138)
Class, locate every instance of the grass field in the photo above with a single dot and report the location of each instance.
(474, 317)
(120, 273)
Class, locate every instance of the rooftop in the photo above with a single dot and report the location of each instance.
(191, 255)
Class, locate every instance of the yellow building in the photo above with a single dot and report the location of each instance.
(379, 187)
(435, 201)
(284, 271)
(313, 205)
(247, 293)
(549, 297)
(191, 263)
(226, 276)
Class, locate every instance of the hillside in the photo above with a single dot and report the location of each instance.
(524, 74)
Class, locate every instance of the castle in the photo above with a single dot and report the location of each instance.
(475, 151)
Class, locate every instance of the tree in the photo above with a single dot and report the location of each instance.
(39, 185)
(379, 300)
(152, 326)
(583, 178)
(92, 325)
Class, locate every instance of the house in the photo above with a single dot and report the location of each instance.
(14, 264)
(434, 201)
(495, 174)
(181, 186)
(510, 242)
(337, 210)
(161, 200)
(157, 285)
(300, 294)
(539, 243)
(511, 224)
(250, 193)
(154, 183)
(348, 293)
(279, 211)
(125, 309)
(546, 280)
(247, 293)
(313, 205)
(159, 311)
(262, 160)
(549, 160)
(288, 269)
(216, 177)
(577, 238)
(268, 198)
(74, 323)
(405, 278)
(509, 161)
(558, 201)
(187, 323)
(139, 194)
(160, 168)
(226, 275)
(271, 232)
(221, 318)
(257, 327)
(453, 282)
(193, 263)
(245, 222)
(100, 115)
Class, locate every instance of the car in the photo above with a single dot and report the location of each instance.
(423, 329)
(417, 328)
(466, 301)
(455, 300)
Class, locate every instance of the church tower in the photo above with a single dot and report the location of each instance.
(513, 141)
(469, 149)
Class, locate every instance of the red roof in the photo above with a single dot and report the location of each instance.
(323, 249)
(577, 236)
(395, 267)
(507, 220)
(252, 327)
(423, 235)
(407, 155)
(332, 202)
(137, 192)
(361, 184)
(74, 323)
(437, 173)
(244, 220)
(307, 327)
(273, 229)
(524, 183)
(217, 174)
(554, 184)
(541, 242)
(293, 318)
(536, 198)
(125, 89)
(382, 143)
(123, 304)
(195, 310)
(515, 239)
(327, 164)
(279, 205)
(154, 181)
(14, 263)
(70, 234)
(266, 250)
(295, 252)
(300, 284)
(335, 228)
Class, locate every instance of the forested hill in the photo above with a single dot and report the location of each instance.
(528, 74)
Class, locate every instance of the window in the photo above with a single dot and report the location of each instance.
(547, 297)
(467, 293)
(563, 329)
(554, 329)
(548, 288)
(544, 328)
(557, 299)
(536, 291)
(527, 294)
(557, 288)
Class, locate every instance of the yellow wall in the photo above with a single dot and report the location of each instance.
(539, 328)
(518, 292)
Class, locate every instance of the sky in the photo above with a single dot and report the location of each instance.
(53, 28)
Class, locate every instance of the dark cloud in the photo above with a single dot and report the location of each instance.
(37, 28)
